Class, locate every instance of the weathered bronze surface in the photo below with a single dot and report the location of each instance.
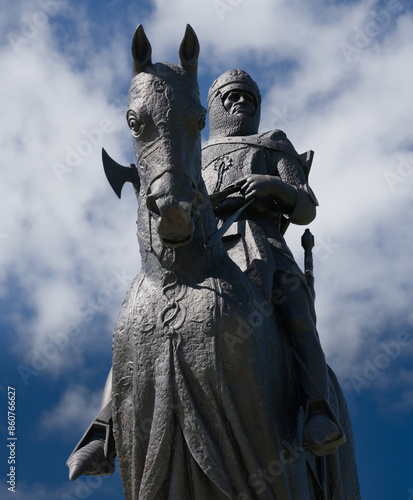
(219, 388)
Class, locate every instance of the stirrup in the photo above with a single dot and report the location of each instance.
(95, 453)
(322, 433)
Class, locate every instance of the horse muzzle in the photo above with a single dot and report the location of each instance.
(175, 223)
(174, 210)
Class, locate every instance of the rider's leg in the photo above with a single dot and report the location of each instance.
(294, 305)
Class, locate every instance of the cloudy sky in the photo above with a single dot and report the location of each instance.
(336, 76)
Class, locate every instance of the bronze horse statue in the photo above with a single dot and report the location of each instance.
(205, 403)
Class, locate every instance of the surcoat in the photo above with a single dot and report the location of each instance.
(255, 241)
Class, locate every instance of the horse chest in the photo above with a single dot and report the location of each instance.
(219, 319)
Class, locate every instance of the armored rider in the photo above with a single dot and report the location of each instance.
(266, 168)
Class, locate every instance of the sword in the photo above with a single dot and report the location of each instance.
(307, 242)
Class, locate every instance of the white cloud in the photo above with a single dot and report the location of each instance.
(66, 238)
(61, 247)
(354, 111)
(348, 96)
(74, 413)
(363, 133)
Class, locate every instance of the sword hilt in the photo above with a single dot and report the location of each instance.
(307, 242)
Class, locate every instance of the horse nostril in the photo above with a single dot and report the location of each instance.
(198, 200)
(175, 225)
(151, 204)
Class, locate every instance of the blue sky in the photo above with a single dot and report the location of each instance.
(335, 76)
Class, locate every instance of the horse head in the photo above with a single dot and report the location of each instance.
(165, 117)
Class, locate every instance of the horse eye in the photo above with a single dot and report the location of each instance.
(201, 123)
(202, 120)
(135, 125)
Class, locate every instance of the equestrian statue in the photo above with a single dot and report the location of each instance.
(219, 387)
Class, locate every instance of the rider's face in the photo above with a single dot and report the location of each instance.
(239, 102)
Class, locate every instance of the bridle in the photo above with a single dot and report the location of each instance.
(216, 236)
(145, 166)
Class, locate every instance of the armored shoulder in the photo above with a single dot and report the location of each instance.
(293, 170)
(275, 134)
(280, 137)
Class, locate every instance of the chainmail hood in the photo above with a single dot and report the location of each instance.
(222, 123)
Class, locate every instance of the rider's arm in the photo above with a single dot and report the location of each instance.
(259, 185)
(291, 192)
(291, 175)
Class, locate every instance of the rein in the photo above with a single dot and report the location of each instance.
(216, 199)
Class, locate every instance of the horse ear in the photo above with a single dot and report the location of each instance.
(189, 51)
(141, 51)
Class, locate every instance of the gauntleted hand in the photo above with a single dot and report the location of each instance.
(258, 186)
